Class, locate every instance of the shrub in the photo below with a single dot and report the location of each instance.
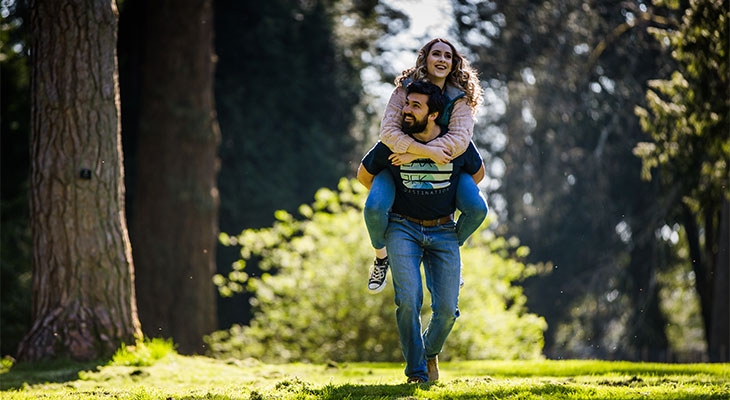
(311, 302)
(143, 353)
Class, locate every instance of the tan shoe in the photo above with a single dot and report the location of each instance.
(432, 365)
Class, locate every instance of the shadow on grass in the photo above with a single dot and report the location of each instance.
(57, 371)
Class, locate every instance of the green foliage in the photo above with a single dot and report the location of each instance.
(311, 302)
(6, 363)
(687, 118)
(688, 115)
(143, 353)
(494, 322)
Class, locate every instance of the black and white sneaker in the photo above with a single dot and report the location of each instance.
(378, 271)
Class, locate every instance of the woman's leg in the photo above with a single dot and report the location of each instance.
(377, 206)
(473, 206)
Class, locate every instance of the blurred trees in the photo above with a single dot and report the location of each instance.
(688, 119)
(310, 303)
(562, 81)
(290, 105)
(83, 295)
(286, 91)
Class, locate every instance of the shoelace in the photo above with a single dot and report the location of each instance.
(379, 273)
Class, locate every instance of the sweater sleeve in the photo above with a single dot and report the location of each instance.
(457, 139)
(391, 132)
(461, 129)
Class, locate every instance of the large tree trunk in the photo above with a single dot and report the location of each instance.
(174, 223)
(83, 289)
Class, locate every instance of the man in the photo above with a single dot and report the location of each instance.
(421, 228)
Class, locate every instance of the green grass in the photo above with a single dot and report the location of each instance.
(131, 375)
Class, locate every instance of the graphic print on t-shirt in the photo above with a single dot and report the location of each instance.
(424, 175)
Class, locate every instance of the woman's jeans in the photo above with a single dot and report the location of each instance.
(469, 200)
(408, 245)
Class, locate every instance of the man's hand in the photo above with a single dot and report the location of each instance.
(365, 177)
(479, 175)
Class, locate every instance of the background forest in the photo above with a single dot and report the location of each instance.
(605, 132)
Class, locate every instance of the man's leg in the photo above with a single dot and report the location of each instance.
(404, 251)
(442, 264)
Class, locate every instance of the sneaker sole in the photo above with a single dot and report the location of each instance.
(377, 290)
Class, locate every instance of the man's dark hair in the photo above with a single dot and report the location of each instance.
(436, 99)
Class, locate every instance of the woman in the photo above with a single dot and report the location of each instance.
(439, 63)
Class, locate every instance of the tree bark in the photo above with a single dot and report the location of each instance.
(175, 219)
(83, 276)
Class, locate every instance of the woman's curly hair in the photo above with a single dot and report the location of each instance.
(462, 74)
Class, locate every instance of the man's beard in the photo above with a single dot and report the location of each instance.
(417, 126)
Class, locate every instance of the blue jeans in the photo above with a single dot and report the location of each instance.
(409, 244)
(469, 200)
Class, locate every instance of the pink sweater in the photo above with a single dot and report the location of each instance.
(461, 126)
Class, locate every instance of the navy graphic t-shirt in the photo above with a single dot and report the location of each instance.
(424, 189)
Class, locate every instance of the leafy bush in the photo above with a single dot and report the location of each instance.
(311, 302)
(144, 353)
(494, 321)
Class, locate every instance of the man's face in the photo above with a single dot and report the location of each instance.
(415, 113)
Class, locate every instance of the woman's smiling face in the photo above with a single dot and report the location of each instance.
(439, 62)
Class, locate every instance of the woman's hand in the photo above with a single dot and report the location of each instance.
(403, 158)
(439, 155)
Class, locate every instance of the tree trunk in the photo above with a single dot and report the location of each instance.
(703, 277)
(174, 224)
(719, 335)
(645, 325)
(83, 290)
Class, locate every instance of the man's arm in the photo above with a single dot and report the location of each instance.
(479, 175)
(365, 177)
